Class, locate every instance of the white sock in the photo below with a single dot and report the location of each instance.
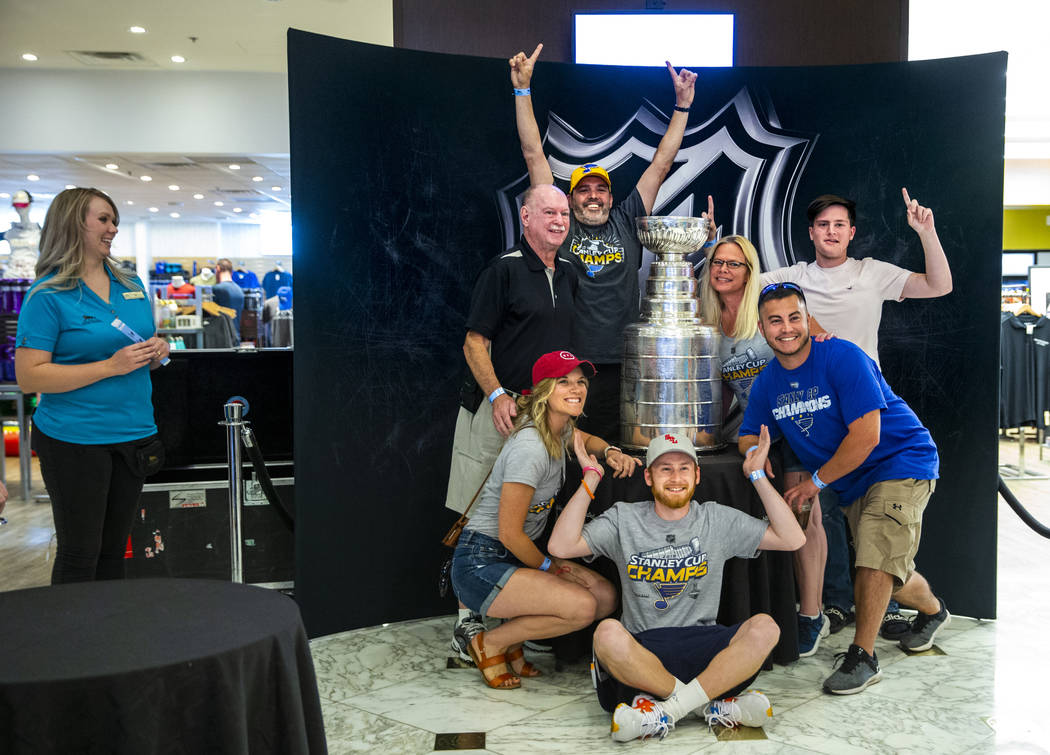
(464, 613)
(815, 616)
(684, 699)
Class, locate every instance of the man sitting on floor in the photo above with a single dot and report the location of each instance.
(668, 657)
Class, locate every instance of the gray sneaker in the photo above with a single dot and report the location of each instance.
(857, 671)
(463, 633)
(924, 628)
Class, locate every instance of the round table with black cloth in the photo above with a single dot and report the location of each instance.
(156, 666)
(765, 584)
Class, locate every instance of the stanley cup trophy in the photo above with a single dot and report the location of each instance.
(671, 380)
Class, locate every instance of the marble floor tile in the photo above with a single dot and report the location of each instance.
(582, 726)
(457, 700)
(351, 730)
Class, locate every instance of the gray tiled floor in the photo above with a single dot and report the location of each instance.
(387, 689)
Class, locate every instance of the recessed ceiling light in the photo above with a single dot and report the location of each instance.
(198, 196)
(218, 203)
(129, 201)
(254, 215)
(153, 209)
(32, 177)
(71, 186)
(175, 214)
(173, 187)
(275, 188)
(234, 166)
(257, 178)
(28, 56)
(147, 179)
(111, 166)
(177, 59)
(137, 29)
(4, 195)
(237, 209)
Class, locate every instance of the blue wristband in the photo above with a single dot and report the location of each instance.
(757, 475)
(496, 394)
(546, 564)
(522, 92)
(818, 482)
(751, 449)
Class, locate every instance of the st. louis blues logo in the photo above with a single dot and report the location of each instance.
(740, 154)
(596, 253)
(668, 569)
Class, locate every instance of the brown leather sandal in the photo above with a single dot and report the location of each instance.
(483, 662)
(527, 669)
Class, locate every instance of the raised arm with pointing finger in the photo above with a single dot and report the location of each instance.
(602, 243)
(937, 280)
(648, 185)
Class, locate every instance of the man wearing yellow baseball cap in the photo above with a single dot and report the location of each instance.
(602, 243)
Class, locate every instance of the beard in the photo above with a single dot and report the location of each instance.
(591, 217)
(674, 500)
(800, 345)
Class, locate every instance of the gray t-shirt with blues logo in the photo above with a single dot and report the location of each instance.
(671, 572)
(523, 459)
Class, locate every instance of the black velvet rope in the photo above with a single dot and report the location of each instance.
(1021, 511)
(255, 454)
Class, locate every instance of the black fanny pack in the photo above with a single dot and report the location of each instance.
(147, 457)
(470, 393)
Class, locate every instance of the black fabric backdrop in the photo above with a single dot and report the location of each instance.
(398, 162)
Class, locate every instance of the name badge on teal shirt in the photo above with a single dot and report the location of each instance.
(134, 295)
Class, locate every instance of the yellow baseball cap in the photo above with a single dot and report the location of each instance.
(590, 169)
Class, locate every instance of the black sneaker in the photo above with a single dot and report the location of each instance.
(463, 633)
(838, 618)
(924, 628)
(895, 625)
(857, 671)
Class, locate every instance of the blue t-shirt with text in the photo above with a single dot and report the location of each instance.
(813, 405)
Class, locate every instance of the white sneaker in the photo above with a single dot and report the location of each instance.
(463, 632)
(750, 709)
(643, 719)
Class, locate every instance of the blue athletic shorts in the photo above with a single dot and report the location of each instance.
(684, 651)
(481, 567)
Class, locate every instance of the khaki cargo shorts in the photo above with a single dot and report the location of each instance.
(887, 524)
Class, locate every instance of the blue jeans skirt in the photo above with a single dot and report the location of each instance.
(481, 566)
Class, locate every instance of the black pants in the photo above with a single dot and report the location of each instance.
(601, 414)
(93, 490)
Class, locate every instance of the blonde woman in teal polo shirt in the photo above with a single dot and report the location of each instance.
(93, 429)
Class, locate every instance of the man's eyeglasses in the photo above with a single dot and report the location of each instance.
(731, 264)
(785, 285)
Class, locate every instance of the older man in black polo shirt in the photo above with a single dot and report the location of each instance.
(521, 308)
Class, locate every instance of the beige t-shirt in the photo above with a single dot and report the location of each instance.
(847, 299)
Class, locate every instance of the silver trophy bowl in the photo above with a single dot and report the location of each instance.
(671, 234)
(671, 380)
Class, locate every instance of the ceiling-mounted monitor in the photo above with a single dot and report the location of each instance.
(701, 40)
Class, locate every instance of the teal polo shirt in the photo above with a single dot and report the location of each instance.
(75, 327)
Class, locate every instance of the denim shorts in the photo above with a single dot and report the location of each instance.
(481, 566)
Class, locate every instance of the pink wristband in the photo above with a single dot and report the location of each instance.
(599, 472)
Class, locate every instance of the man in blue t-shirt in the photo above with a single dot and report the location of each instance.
(847, 427)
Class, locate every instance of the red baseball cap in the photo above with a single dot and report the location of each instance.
(556, 364)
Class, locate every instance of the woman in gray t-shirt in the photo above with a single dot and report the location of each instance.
(497, 570)
(729, 286)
